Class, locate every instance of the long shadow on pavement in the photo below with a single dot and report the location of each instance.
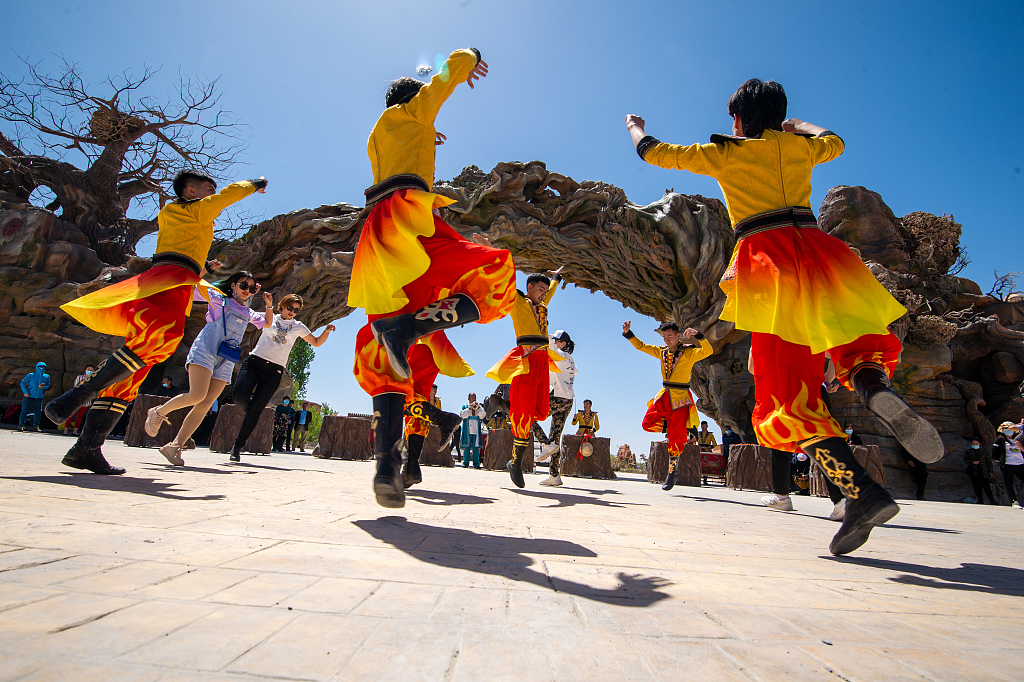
(566, 500)
(507, 557)
(971, 577)
(435, 497)
(123, 483)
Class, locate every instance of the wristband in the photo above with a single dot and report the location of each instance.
(260, 183)
(477, 53)
(645, 144)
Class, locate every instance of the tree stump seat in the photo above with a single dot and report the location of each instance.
(598, 465)
(432, 455)
(229, 422)
(135, 435)
(498, 451)
(750, 468)
(345, 438)
(687, 468)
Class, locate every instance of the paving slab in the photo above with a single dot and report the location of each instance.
(283, 567)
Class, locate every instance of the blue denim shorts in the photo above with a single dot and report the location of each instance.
(204, 353)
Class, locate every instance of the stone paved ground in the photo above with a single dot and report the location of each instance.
(282, 567)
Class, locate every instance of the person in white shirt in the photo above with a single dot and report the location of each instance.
(261, 372)
(1010, 450)
(472, 433)
(560, 401)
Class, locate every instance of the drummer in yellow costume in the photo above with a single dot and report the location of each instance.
(587, 421)
(149, 310)
(801, 293)
(413, 274)
(527, 366)
(672, 411)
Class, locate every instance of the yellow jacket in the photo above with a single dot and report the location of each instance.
(706, 439)
(402, 141)
(186, 227)
(531, 324)
(755, 174)
(586, 423)
(676, 365)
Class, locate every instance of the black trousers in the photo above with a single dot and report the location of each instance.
(1009, 472)
(782, 479)
(258, 380)
(919, 475)
(981, 484)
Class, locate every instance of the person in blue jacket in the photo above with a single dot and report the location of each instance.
(32, 388)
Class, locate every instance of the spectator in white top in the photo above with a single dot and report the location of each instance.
(560, 401)
(1009, 449)
(472, 433)
(261, 372)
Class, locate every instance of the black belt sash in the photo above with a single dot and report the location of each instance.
(800, 216)
(181, 260)
(385, 188)
(675, 385)
(531, 340)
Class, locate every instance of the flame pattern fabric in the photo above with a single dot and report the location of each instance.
(806, 287)
(424, 372)
(661, 417)
(528, 399)
(402, 237)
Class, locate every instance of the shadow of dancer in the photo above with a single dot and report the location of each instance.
(970, 577)
(565, 500)
(434, 497)
(124, 484)
(508, 557)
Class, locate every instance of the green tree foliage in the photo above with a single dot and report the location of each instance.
(313, 435)
(299, 361)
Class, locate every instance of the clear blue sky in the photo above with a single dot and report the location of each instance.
(927, 96)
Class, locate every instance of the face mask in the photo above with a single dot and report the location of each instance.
(728, 430)
(849, 432)
(88, 372)
(1007, 433)
(976, 447)
(286, 402)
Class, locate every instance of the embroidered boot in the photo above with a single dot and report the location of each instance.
(446, 422)
(670, 480)
(515, 465)
(99, 421)
(397, 334)
(121, 365)
(913, 431)
(387, 449)
(411, 474)
(867, 503)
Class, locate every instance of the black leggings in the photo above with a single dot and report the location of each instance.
(257, 382)
(782, 479)
(1009, 471)
(981, 485)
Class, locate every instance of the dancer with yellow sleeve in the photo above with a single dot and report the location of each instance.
(527, 366)
(672, 411)
(148, 310)
(414, 275)
(801, 293)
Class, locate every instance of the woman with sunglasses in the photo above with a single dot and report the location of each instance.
(210, 362)
(261, 372)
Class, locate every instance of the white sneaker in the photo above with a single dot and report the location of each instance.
(839, 511)
(552, 480)
(1018, 505)
(154, 420)
(777, 503)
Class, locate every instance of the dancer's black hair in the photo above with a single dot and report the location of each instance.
(761, 105)
(402, 90)
(668, 326)
(184, 177)
(225, 285)
(537, 277)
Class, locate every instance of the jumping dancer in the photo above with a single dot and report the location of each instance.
(672, 411)
(211, 359)
(413, 274)
(149, 310)
(800, 292)
(560, 402)
(527, 366)
(260, 373)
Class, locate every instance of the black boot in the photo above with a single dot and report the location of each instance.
(411, 474)
(515, 465)
(85, 454)
(236, 453)
(398, 333)
(873, 506)
(670, 480)
(913, 431)
(387, 442)
(121, 365)
(446, 422)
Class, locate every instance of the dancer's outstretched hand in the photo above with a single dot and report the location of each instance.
(439, 138)
(625, 327)
(479, 71)
(634, 121)
(690, 331)
(214, 264)
(331, 328)
(263, 189)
